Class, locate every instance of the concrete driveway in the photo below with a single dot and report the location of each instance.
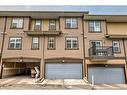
(25, 83)
(65, 84)
(111, 87)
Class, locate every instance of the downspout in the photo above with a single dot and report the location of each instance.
(84, 49)
(125, 60)
(2, 46)
(44, 58)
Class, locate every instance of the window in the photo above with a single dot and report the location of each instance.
(37, 25)
(15, 43)
(116, 46)
(35, 43)
(71, 23)
(71, 43)
(96, 44)
(94, 26)
(17, 23)
(52, 24)
(51, 43)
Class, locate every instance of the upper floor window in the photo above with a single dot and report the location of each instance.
(52, 24)
(51, 43)
(35, 43)
(71, 23)
(15, 43)
(37, 25)
(71, 43)
(116, 46)
(17, 23)
(94, 26)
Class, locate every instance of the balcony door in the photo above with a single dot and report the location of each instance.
(97, 48)
(96, 44)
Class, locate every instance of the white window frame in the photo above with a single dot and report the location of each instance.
(116, 46)
(70, 41)
(17, 22)
(51, 42)
(52, 24)
(37, 25)
(72, 21)
(96, 25)
(15, 41)
(35, 40)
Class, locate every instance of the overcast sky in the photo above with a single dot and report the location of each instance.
(92, 9)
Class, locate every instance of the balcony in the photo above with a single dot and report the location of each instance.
(101, 53)
(43, 33)
(51, 32)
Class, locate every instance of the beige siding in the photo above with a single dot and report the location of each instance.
(60, 42)
(117, 28)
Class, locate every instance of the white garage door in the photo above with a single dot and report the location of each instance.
(106, 75)
(63, 71)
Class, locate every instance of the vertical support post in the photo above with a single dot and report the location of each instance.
(2, 46)
(42, 69)
(92, 82)
(125, 60)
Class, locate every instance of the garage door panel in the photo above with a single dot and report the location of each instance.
(63, 71)
(106, 75)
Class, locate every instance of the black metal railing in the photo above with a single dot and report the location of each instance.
(101, 51)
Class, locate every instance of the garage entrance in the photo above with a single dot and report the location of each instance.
(109, 75)
(18, 68)
(63, 71)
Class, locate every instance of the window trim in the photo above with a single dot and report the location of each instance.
(94, 31)
(71, 18)
(12, 21)
(35, 24)
(49, 24)
(14, 48)
(38, 43)
(48, 48)
(72, 48)
(119, 47)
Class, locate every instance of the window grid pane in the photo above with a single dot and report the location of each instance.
(37, 25)
(71, 23)
(35, 43)
(116, 46)
(51, 43)
(15, 43)
(71, 43)
(94, 26)
(52, 24)
(17, 23)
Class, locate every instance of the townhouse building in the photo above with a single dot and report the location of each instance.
(64, 45)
